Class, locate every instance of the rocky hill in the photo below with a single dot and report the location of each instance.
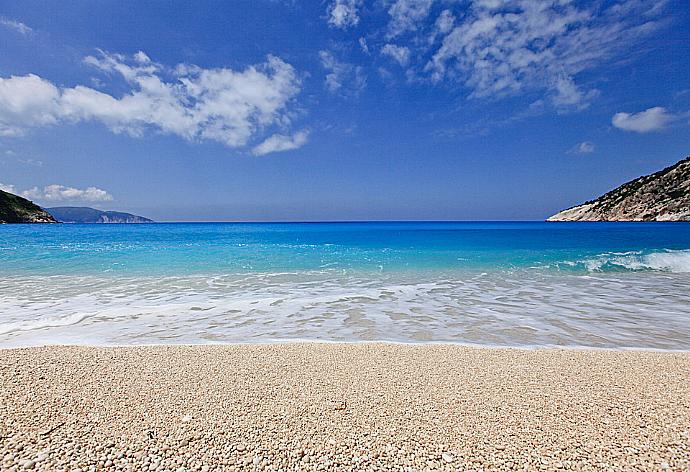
(91, 215)
(662, 196)
(15, 209)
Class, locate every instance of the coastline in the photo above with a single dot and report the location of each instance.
(373, 342)
(322, 405)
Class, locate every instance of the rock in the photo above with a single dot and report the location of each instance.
(663, 196)
(29, 464)
(186, 418)
(448, 457)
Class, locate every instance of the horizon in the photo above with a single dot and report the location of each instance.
(276, 111)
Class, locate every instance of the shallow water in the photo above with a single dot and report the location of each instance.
(508, 284)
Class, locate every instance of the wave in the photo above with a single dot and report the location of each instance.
(675, 261)
(521, 308)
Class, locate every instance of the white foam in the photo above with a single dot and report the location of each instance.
(666, 261)
(517, 308)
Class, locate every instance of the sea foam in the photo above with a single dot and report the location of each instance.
(665, 261)
(512, 308)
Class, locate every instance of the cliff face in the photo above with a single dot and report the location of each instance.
(662, 196)
(91, 215)
(15, 209)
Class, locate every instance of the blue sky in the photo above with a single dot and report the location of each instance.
(339, 109)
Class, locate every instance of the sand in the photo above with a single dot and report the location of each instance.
(343, 407)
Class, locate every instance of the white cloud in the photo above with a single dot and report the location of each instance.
(343, 13)
(566, 94)
(26, 102)
(223, 105)
(407, 15)
(31, 162)
(652, 119)
(59, 193)
(585, 147)
(342, 77)
(280, 142)
(443, 25)
(8, 188)
(504, 47)
(444, 22)
(17, 26)
(400, 53)
(363, 44)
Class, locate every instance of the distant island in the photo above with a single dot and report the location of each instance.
(662, 196)
(91, 215)
(16, 209)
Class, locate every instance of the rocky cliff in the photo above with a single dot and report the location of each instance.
(662, 196)
(91, 215)
(15, 209)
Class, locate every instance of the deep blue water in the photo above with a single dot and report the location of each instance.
(177, 249)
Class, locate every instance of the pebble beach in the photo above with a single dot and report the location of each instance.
(319, 406)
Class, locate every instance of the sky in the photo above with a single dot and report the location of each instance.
(270, 110)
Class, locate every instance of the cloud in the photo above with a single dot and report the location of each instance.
(8, 188)
(363, 44)
(17, 26)
(509, 47)
(444, 22)
(585, 147)
(652, 119)
(443, 25)
(59, 193)
(342, 77)
(343, 13)
(31, 162)
(566, 94)
(222, 105)
(26, 102)
(407, 15)
(400, 53)
(280, 142)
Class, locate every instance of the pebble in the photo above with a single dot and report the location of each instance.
(409, 408)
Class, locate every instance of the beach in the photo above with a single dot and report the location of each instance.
(335, 406)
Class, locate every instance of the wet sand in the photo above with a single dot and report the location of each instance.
(344, 407)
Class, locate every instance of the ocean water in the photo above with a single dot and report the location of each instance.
(608, 285)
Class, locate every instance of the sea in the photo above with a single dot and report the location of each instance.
(512, 284)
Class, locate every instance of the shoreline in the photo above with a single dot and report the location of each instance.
(287, 342)
(328, 405)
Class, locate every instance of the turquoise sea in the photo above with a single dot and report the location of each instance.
(507, 284)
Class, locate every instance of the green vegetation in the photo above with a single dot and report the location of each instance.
(15, 209)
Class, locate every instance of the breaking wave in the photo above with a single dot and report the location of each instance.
(666, 261)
